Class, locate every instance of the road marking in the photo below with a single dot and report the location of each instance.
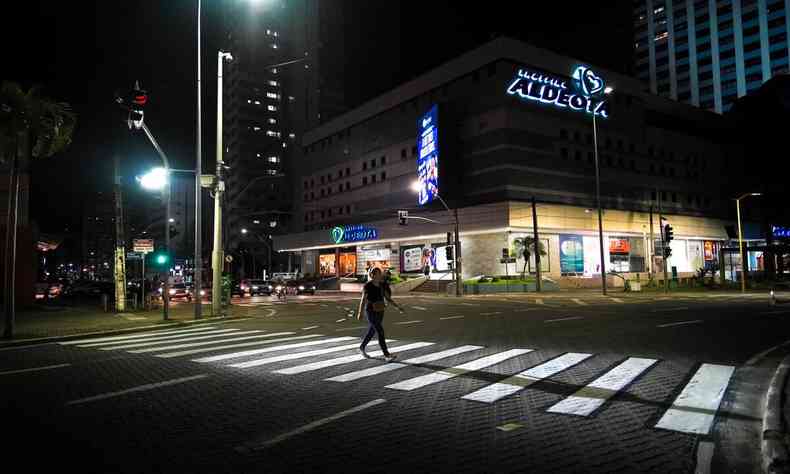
(539, 301)
(441, 375)
(704, 457)
(309, 327)
(681, 323)
(380, 369)
(756, 358)
(345, 360)
(355, 328)
(135, 336)
(520, 381)
(293, 356)
(33, 369)
(452, 317)
(563, 319)
(509, 427)
(234, 346)
(208, 343)
(681, 308)
(415, 321)
(188, 339)
(271, 349)
(469, 304)
(159, 338)
(694, 410)
(421, 308)
(617, 300)
(525, 310)
(491, 313)
(341, 320)
(141, 388)
(591, 397)
(578, 302)
(265, 444)
(776, 312)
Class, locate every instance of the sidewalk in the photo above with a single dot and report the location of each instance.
(43, 322)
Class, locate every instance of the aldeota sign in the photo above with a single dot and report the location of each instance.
(353, 233)
(552, 90)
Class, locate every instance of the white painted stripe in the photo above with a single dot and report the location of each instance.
(296, 355)
(757, 357)
(563, 319)
(421, 308)
(491, 314)
(681, 323)
(694, 410)
(208, 343)
(33, 369)
(341, 320)
(265, 444)
(235, 355)
(525, 310)
(355, 328)
(617, 300)
(233, 346)
(522, 380)
(348, 359)
(157, 338)
(681, 308)
(469, 304)
(380, 369)
(592, 396)
(186, 339)
(704, 457)
(578, 301)
(441, 375)
(141, 388)
(452, 317)
(309, 327)
(415, 321)
(134, 336)
(539, 301)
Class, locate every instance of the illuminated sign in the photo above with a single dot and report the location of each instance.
(554, 90)
(779, 231)
(428, 156)
(353, 233)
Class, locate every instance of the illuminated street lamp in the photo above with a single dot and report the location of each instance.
(740, 238)
(243, 231)
(606, 91)
(154, 180)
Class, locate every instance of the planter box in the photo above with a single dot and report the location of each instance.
(487, 289)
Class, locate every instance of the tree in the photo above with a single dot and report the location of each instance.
(31, 127)
(524, 247)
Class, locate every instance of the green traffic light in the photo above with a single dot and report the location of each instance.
(161, 259)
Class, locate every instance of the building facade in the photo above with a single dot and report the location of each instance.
(512, 127)
(708, 53)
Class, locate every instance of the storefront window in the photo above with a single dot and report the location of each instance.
(571, 254)
(626, 254)
(374, 257)
(348, 263)
(327, 264)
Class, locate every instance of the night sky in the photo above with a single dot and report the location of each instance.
(81, 52)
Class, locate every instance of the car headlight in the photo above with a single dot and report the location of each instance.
(301, 287)
(312, 288)
(270, 287)
(202, 292)
(160, 290)
(254, 287)
(279, 288)
(172, 291)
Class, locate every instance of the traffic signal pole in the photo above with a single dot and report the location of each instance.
(664, 258)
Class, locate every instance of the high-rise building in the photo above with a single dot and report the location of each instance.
(708, 53)
(286, 77)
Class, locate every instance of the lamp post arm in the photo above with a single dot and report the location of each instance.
(156, 146)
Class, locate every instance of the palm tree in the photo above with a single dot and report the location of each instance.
(31, 127)
(524, 247)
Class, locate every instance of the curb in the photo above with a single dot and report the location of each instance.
(774, 451)
(112, 332)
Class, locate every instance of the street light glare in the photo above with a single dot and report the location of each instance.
(608, 90)
(243, 231)
(415, 186)
(155, 179)
(757, 194)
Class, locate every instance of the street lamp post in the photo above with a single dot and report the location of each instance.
(219, 189)
(607, 91)
(198, 265)
(740, 239)
(159, 178)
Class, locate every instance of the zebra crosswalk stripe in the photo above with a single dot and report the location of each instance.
(156, 338)
(208, 343)
(134, 336)
(299, 369)
(520, 381)
(234, 346)
(235, 355)
(694, 410)
(585, 401)
(186, 339)
(380, 369)
(442, 375)
(293, 356)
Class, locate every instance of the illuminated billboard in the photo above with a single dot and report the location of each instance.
(428, 156)
(585, 93)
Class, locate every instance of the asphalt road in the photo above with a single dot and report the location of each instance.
(623, 384)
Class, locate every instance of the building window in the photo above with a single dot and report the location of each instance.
(348, 186)
(348, 209)
(373, 163)
(322, 180)
(305, 184)
(383, 160)
(564, 152)
(383, 175)
(563, 133)
(272, 95)
(272, 121)
(590, 157)
(373, 178)
(271, 108)
(364, 165)
(273, 159)
(364, 180)
(274, 83)
(403, 153)
(578, 155)
(414, 150)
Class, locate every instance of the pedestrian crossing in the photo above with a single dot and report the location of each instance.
(692, 411)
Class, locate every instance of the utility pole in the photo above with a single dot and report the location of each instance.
(651, 248)
(217, 256)
(198, 265)
(537, 244)
(664, 259)
(120, 245)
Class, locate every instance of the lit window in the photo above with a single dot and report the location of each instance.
(257, 102)
(257, 129)
(258, 155)
(274, 70)
(272, 133)
(291, 136)
(273, 159)
(272, 121)
(274, 83)
(268, 32)
(271, 172)
(658, 10)
(272, 108)
(274, 45)
(662, 35)
(272, 95)
(275, 34)
(249, 101)
(291, 98)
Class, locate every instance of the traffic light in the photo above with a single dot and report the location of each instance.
(448, 252)
(403, 217)
(134, 101)
(667, 252)
(669, 235)
(505, 253)
(160, 259)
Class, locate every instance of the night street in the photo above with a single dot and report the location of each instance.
(579, 383)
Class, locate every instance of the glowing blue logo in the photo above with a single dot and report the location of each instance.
(353, 233)
(586, 82)
(780, 232)
(549, 89)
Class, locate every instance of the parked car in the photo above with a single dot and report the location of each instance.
(300, 287)
(260, 287)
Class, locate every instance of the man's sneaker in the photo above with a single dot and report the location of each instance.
(364, 353)
(390, 357)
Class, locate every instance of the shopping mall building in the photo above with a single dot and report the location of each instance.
(504, 124)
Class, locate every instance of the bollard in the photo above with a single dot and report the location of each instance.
(134, 301)
(772, 301)
(104, 302)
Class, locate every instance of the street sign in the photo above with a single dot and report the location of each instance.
(507, 260)
(133, 255)
(228, 258)
(143, 245)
